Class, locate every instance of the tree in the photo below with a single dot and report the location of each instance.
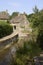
(35, 9)
(36, 20)
(14, 14)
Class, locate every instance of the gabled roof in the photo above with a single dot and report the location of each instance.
(4, 15)
(19, 18)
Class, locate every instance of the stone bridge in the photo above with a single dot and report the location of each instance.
(9, 39)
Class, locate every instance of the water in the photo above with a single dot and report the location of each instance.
(8, 56)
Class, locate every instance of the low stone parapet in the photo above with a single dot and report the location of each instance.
(9, 39)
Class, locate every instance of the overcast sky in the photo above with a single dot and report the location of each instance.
(20, 5)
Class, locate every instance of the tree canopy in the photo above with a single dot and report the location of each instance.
(36, 21)
(14, 14)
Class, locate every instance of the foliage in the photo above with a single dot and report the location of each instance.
(35, 9)
(40, 39)
(36, 20)
(8, 21)
(26, 53)
(5, 29)
(14, 14)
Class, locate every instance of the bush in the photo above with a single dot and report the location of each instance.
(5, 29)
(26, 53)
(40, 39)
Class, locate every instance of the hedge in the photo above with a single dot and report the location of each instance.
(5, 29)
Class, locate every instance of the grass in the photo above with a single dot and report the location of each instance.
(3, 23)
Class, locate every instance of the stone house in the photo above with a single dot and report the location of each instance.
(4, 16)
(20, 22)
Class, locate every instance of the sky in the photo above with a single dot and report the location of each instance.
(20, 5)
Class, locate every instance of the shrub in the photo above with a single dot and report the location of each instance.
(40, 39)
(5, 29)
(26, 53)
